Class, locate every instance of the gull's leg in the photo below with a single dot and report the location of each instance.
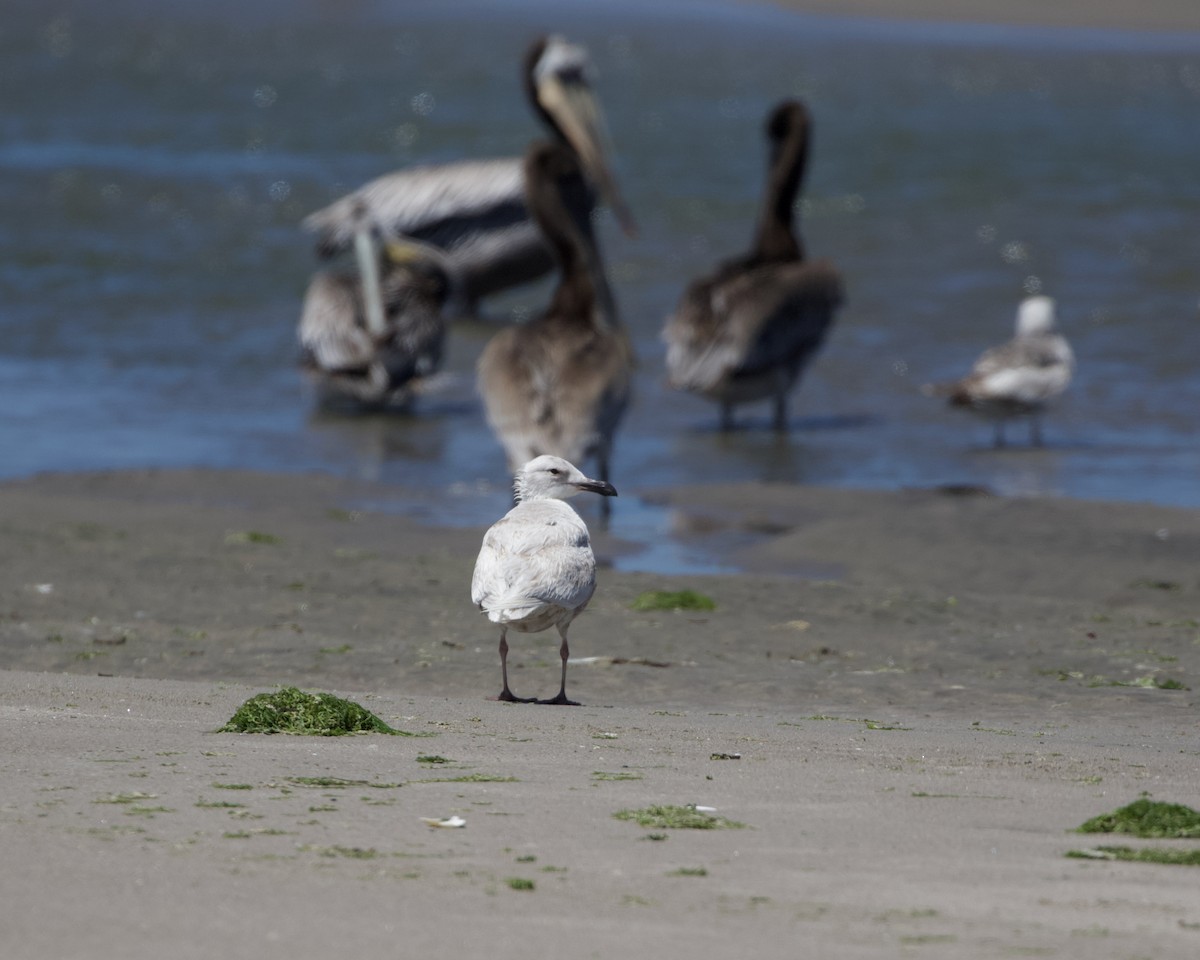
(564, 651)
(507, 694)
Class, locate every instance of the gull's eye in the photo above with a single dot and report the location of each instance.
(555, 472)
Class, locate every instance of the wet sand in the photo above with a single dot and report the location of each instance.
(919, 695)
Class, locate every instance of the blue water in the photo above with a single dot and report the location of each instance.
(156, 160)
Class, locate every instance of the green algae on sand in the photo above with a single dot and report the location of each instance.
(1147, 818)
(673, 600)
(1150, 819)
(677, 817)
(1180, 858)
(291, 710)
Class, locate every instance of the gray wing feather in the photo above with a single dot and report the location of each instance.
(1029, 370)
(328, 332)
(538, 555)
(750, 322)
(423, 201)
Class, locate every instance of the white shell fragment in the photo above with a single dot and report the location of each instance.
(434, 822)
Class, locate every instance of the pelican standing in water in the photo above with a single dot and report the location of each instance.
(1019, 378)
(746, 331)
(372, 343)
(475, 210)
(536, 568)
(560, 383)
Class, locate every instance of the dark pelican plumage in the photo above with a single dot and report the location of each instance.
(374, 354)
(475, 210)
(1018, 378)
(560, 383)
(746, 331)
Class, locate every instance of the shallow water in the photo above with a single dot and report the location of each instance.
(157, 159)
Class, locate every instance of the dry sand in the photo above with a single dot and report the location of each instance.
(917, 730)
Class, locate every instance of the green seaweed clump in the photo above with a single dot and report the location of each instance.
(677, 817)
(1147, 818)
(673, 600)
(1178, 858)
(289, 710)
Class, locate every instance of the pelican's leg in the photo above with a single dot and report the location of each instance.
(464, 309)
(378, 384)
(781, 418)
(998, 441)
(564, 651)
(507, 694)
(726, 416)
(1035, 430)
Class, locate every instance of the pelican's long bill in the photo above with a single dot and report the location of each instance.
(368, 270)
(564, 93)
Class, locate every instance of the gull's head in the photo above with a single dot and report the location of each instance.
(1035, 315)
(553, 478)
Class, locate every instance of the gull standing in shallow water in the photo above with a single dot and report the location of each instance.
(1019, 378)
(560, 383)
(536, 568)
(746, 331)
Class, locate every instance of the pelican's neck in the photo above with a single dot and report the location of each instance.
(582, 289)
(529, 81)
(775, 239)
(566, 225)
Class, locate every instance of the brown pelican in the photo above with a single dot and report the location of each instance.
(746, 331)
(1019, 378)
(536, 568)
(559, 384)
(371, 343)
(475, 210)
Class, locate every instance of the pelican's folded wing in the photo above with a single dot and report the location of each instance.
(435, 203)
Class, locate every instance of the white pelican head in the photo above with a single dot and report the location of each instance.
(559, 81)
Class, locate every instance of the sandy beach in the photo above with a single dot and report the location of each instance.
(909, 700)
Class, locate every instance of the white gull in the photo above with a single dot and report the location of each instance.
(1019, 378)
(536, 568)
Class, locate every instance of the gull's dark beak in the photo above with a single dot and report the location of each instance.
(602, 487)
